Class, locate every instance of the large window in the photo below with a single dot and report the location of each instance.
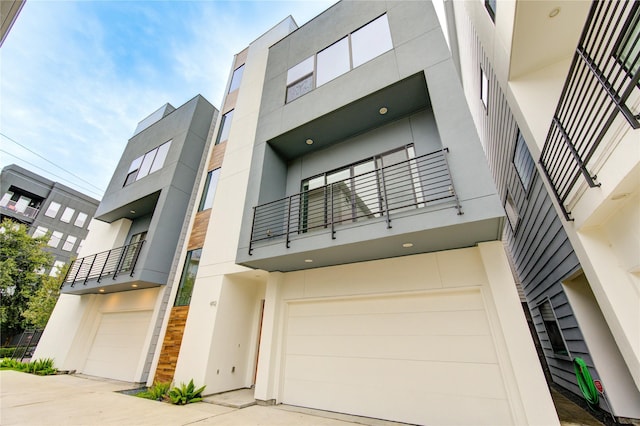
(147, 163)
(351, 51)
(236, 79)
(209, 190)
(67, 214)
(522, 161)
(225, 127)
(52, 210)
(554, 334)
(188, 278)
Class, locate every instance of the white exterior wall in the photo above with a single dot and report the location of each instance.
(605, 232)
(224, 308)
(520, 388)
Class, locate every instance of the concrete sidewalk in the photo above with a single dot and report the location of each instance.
(26, 399)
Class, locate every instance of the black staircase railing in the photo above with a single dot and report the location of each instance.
(603, 80)
(107, 263)
(410, 184)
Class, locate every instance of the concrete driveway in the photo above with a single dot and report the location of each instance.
(71, 400)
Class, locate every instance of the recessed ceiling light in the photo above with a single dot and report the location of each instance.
(308, 260)
(554, 12)
(383, 110)
(309, 141)
(407, 245)
(101, 290)
(132, 211)
(134, 285)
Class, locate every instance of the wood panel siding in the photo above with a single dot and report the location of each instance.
(241, 58)
(539, 248)
(199, 230)
(171, 344)
(217, 155)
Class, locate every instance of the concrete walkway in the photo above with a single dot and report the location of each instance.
(26, 399)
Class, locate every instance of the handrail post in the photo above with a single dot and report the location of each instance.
(104, 265)
(136, 256)
(288, 219)
(452, 190)
(333, 226)
(253, 224)
(120, 260)
(89, 272)
(384, 197)
(75, 277)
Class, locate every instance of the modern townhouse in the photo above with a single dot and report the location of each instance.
(553, 90)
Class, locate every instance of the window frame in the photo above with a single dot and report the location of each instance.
(184, 292)
(491, 7)
(484, 89)
(223, 126)
(65, 216)
(49, 208)
(82, 221)
(56, 237)
(148, 163)
(520, 142)
(68, 241)
(233, 87)
(209, 192)
(513, 207)
(566, 354)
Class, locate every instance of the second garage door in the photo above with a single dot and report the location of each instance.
(410, 358)
(118, 344)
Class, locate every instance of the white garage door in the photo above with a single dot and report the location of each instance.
(118, 344)
(423, 359)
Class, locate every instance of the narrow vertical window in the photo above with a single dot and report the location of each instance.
(512, 212)
(69, 243)
(552, 328)
(52, 210)
(236, 79)
(189, 272)
(160, 157)
(484, 89)
(209, 190)
(523, 162)
(67, 214)
(225, 127)
(490, 5)
(80, 220)
(55, 239)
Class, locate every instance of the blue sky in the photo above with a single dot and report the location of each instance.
(77, 76)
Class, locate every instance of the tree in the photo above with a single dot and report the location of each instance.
(43, 300)
(22, 259)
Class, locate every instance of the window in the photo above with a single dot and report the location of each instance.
(147, 163)
(69, 243)
(371, 41)
(353, 50)
(57, 268)
(80, 220)
(628, 46)
(237, 77)
(490, 5)
(209, 190)
(225, 126)
(484, 89)
(40, 231)
(67, 214)
(333, 62)
(55, 239)
(52, 210)
(553, 330)
(523, 162)
(512, 211)
(188, 278)
(300, 79)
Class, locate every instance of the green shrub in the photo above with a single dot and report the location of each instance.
(7, 352)
(158, 392)
(42, 367)
(185, 394)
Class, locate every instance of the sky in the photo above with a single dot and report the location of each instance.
(76, 77)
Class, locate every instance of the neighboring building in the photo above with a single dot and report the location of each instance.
(47, 207)
(556, 102)
(108, 317)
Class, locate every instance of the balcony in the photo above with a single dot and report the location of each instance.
(602, 85)
(19, 209)
(88, 272)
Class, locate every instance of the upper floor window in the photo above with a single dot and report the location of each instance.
(57, 267)
(353, 50)
(52, 210)
(80, 220)
(484, 89)
(69, 243)
(225, 127)
(522, 161)
(39, 232)
(67, 214)
(189, 272)
(147, 163)
(236, 79)
(209, 190)
(490, 5)
(56, 236)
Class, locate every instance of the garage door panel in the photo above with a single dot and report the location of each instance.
(393, 375)
(471, 300)
(408, 324)
(425, 348)
(118, 345)
(410, 358)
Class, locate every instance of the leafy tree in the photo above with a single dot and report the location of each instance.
(21, 260)
(43, 300)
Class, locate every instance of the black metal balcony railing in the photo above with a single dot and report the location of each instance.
(399, 187)
(97, 266)
(13, 206)
(602, 82)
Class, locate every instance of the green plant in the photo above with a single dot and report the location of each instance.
(7, 351)
(185, 394)
(158, 392)
(42, 367)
